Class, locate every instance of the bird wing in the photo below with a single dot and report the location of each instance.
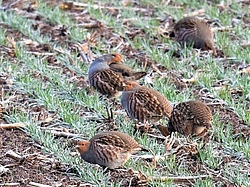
(149, 101)
(185, 25)
(110, 78)
(121, 68)
(112, 140)
(201, 113)
(127, 73)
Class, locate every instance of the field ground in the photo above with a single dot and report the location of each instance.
(46, 48)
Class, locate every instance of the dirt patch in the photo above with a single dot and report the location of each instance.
(33, 165)
(128, 178)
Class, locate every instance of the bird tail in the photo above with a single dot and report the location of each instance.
(136, 76)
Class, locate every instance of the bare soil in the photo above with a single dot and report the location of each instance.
(33, 164)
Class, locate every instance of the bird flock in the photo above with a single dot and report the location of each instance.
(110, 77)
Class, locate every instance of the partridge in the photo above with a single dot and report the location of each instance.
(144, 104)
(190, 118)
(107, 74)
(109, 149)
(196, 32)
(103, 79)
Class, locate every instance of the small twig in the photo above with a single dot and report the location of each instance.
(12, 125)
(135, 19)
(10, 184)
(191, 80)
(154, 67)
(11, 165)
(91, 25)
(155, 136)
(195, 13)
(218, 103)
(38, 184)
(187, 179)
(38, 146)
(45, 159)
(82, 53)
(228, 59)
(63, 134)
(79, 6)
(60, 129)
(117, 47)
(44, 54)
(227, 28)
(151, 157)
(79, 185)
(14, 155)
(212, 101)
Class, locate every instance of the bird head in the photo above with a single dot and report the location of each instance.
(129, 85)
(82, 146)
(115, 58)
(208, 45)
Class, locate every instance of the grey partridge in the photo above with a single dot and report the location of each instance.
(196, 32)
(190, 118)
(109, 149)
(144, 104)
(107, 74)
(103, 79)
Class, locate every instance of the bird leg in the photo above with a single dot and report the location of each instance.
(169, 142)
(110, 119)
(142, 127)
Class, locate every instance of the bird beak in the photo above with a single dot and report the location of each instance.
(77, 147)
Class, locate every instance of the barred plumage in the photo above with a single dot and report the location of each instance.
(144, 104)
(109, 149)
(190, 118)
(196, 32)
(107, 74)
